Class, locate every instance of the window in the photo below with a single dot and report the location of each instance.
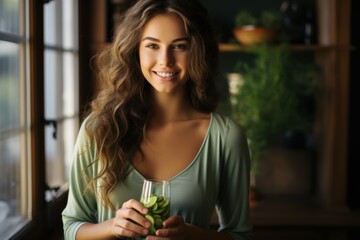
(22, 149)
(61, 88)
(15, 197)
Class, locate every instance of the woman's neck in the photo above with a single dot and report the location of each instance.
(169, 108)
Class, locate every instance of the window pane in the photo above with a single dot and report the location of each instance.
(52, 84)
(70, 27)
(60, 25)
(15, 191)
(59, 151)
(50, 23)
(61, 84)
(9, 86)
(61, 104)
(71, 84)
(61, 87)
(13, 195)
(9, 16)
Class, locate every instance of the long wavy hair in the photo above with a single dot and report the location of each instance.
(121, 110)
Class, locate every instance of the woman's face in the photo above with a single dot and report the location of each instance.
(164, 53)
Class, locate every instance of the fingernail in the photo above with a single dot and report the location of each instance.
(147, 224)
(145, 231)
(145, 210)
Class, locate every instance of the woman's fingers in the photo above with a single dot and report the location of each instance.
(126, 227)
(174, 227)
(133, 204)
(173, 221)
(159, 238)
(129, 220)
(133, 216)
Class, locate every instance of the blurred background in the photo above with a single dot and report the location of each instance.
(304, 174)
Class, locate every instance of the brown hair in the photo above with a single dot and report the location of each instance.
(121, 110)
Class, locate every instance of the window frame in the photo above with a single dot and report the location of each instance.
(35, 227)
(45, 218)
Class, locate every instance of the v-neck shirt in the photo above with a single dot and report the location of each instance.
(217, 178)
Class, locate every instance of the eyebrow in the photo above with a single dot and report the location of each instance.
(175, 40)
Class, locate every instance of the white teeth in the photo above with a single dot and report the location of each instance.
(165, 74)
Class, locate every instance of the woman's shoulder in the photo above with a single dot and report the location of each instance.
(85, 139)
(89, 124)
(226, 127)
(224, 122)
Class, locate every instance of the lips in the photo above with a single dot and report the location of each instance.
(165, 74)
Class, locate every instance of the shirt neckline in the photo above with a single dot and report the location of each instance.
(133, 169)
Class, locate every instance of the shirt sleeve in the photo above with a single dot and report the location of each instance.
(233, 204)
(81, 205)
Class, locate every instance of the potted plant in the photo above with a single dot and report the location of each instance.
(251, 30)
(269, 103)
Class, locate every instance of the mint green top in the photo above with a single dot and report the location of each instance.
(217, 178)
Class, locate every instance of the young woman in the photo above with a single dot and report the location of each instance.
(155, 119)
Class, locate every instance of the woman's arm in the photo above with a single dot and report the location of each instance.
(81, 207)
(101, 231)
(128, 222)
(81, 214)
(233, 203)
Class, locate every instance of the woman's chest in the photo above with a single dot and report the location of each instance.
(168, 151)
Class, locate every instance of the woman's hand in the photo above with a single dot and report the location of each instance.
(129, 221)
(175, 229)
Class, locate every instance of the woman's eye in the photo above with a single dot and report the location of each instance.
(152, 46)
(181, 46)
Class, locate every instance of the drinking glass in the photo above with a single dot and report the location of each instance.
(155, 196)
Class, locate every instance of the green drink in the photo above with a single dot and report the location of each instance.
(155, 197)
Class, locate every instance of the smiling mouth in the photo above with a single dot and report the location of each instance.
(166, 74)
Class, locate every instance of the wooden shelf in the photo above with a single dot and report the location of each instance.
(233, 47)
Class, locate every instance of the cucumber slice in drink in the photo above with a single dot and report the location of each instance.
(157, 211)
(160, 198)
(165, 203)
(151, 201)
(155, 206)
(150, 218)
(158, 222)
(158, 207)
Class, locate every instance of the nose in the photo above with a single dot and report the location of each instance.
(166, 58)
